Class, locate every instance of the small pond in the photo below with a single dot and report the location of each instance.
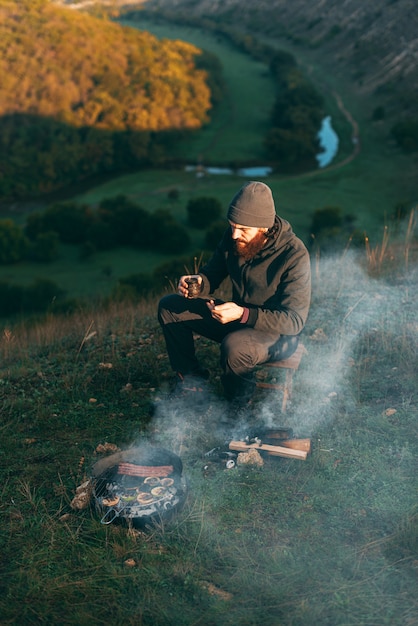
(247, 172)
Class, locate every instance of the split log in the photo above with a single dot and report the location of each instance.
(290, 453)
(297, 444)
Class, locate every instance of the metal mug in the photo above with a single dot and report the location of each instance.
(193, 287)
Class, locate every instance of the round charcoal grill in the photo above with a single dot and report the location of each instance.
(142, 485)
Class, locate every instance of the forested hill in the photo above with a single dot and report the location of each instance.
(88, 72)
(69, 82)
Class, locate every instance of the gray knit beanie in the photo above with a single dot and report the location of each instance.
(253, 206)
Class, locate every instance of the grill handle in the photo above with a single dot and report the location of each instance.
(110, 516)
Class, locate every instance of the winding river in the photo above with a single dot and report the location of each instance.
(328, 141)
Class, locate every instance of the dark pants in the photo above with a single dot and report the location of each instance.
(242, 348)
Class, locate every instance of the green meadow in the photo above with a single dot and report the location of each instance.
(368, 188)
(236, 132)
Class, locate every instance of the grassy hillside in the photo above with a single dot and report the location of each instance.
(372, 45)
(329, 540)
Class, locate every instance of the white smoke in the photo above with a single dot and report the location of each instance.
(348, 307)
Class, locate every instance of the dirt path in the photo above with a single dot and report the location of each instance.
(355, 135)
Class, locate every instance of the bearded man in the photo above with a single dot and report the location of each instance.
(269, 269)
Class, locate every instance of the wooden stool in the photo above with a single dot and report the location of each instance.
(290, 365)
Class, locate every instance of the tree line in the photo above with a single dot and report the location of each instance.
(116, 222)
(119, 222)
(81, 96)
(296, 117)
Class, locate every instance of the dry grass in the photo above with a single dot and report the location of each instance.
(385, 254)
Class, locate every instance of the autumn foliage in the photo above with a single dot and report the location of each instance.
(80, 95)
(87, 72)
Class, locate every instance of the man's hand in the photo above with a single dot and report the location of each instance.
(182, 287)
(225, 312)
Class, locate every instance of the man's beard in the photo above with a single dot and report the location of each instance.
(248, 250)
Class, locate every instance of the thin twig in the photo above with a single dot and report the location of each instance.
(351, 309)
(86, 336)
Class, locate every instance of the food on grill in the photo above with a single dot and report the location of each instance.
(152, 481)
(125, 497)
(111, 501)
(144, 498)
(157, 492)
(140, 484)
(131, 469)
(166, 482)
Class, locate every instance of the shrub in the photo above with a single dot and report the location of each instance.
(203, 211)
(214, 234)
(325, 219)
(34, 225)
(168, 235)
(130, 287)
(117, 222)
(335, 30)
(281, 63)
(406, 135)
(173, 194)
(41, 295)
(37, 297)
(128, 223)
(87, 249)
(10, 298)
(13, 243)
(378, 114)
(45, 247)
(70, 220)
